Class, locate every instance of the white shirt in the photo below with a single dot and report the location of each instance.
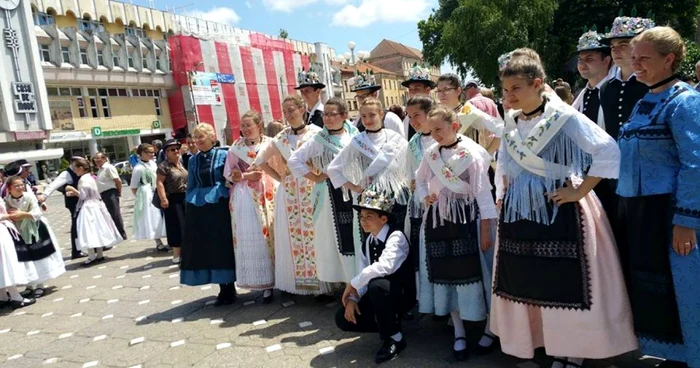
(317, 106)
(63, 178)
(394, 254)
(106, 176)
(406, 124)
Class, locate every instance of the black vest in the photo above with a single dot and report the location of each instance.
(316, 119)
(619, 99)
(405, 273)
(71, 203)
(591, 104)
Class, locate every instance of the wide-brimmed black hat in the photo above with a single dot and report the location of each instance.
(419, 74)
(375, 201)
(364, 82)
(13, 168)
(309, 78)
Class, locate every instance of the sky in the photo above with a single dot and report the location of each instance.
(335, 22)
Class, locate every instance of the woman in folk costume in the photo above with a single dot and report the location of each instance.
(332, 213)
(96, 229)
(453, 184)
(12, 272)
(148, 220)
(557, 278)
(37, 247)
(252, 209)
(296, 271)
(375, 159)
(659, 215)
(207, 251)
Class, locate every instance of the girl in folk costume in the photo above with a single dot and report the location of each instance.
(295, 257)
(376, 160)
(12, 272)
(332, 213)
(96, 229)
(557, 279)
(37, 246)
(453, 184)
(252, 209)
(148, 220)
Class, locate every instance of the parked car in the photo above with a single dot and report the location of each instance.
(124, 169)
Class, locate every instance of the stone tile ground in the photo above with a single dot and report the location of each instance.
(131, 311)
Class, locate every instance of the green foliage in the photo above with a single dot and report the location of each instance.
(692, 56)
(283, 33)
(472, 34)
(64, 165)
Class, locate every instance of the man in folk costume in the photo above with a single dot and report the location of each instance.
(594, 65)
(364, 85)
(618, 97)
(332, 213)
(373, 299)
(310, 88)
(64, 179)
(418, 83)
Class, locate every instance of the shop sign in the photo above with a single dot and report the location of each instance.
(96, 131)
(114, 133)
(66, 136)
(156, 124)
(30, 135)
(24, 97)
(206, 89)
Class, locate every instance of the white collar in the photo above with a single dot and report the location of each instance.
(317, 106)
(617, 74)
(383, 233)
(611, 73)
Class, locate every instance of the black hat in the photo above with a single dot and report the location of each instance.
(23, 162)
(13, 168)
(309, 79)
(419, 74)
(171, 142)
(375, 201)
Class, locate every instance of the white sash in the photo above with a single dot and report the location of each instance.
(471, 114)
(244, 152)
(525, 152)
(283, 145)
(448, 172)
(380, 158)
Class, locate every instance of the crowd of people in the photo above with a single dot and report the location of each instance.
(568, 227)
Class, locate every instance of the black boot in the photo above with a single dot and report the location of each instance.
(227, 295)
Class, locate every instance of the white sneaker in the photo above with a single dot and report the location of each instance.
(176, 260)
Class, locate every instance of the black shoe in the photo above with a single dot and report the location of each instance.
(408, 316)
(16, 304)
(484, 350)
(672, 364)
(75, 256)
(224, 301)
(267, 299)
(324, 298)
(107, 249)
(27, 293)
(390, 350)
(461, 355)
(38, 293)
(91, 262)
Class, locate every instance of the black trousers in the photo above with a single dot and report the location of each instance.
(73, 231)
(111, 200)
(380, 308)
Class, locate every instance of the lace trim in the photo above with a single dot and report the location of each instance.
(648, 132)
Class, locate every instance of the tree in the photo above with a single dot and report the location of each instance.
(691, 58)
(284, 34)
(472, 34)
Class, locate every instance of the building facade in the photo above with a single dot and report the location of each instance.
(398, 58)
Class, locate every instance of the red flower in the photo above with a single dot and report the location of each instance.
(252, 154)
(265, 231)
(268, 195)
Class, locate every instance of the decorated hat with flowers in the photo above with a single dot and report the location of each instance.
(376, 201)
(309, 78)
(419, 74)
(628, 27)
(503, 60)
(363, 81)
(590, 41)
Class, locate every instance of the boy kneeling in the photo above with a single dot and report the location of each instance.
(373, 300)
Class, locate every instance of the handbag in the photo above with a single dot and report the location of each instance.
(156, 200)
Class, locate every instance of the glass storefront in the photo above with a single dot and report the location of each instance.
(116, 148)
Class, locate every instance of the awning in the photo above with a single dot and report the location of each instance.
(31, 156)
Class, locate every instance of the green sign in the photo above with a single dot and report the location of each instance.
(156, 124)
(96, 131)
(112, 133)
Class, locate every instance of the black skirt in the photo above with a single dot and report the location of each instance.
(342, 219)
(452, 250)
(544, 265)
(208, 241)
(646, 231)
(34, 251)
(175, 219)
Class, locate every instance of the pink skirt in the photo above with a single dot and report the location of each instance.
(605, 330)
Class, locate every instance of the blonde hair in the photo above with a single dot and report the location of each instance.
(297, 100)
(666, 41)
(255, 117)
(205, 129)
(526, 52)
(273, 128)
(526, 67)
(371, 101)
(443, 113)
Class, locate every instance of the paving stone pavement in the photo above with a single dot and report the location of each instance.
(131, 311)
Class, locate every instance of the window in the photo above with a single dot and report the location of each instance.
(100, 58)
(83, 56)
(93, 107)
(65, 54)
(156, 92)
(52, 91)
(149, 92)
(105, 106)
(112, 92)
(44, 53)
(133, 31)
(131, 61)
(158, 66)
(122, 92)
(144, 60)
(102, 92)
(158, 110)
(81, 107)
(85, 25)
(43, 19)
(115, 60)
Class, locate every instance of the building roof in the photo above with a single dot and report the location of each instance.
(388, 48)
(363, 68)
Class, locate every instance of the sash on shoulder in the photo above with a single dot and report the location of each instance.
(380, 158)
(471, 114)
(243, 151)
(448, 172)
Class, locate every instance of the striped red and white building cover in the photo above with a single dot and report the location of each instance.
(265, 73)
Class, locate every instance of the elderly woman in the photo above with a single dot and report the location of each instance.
(109, 185)
(207, 252)
(148, 220)
(660, 206)
(171, 183)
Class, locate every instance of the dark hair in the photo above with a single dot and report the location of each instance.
(339, 103)
(424, 103)
(452, 78)
(398, 110)
(526, 67)
(443, 113)
(12, 180)
(82, 163)
(157, 143)
(564, 93)
(142, 147)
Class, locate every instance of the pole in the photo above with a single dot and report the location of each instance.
(194, 105)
